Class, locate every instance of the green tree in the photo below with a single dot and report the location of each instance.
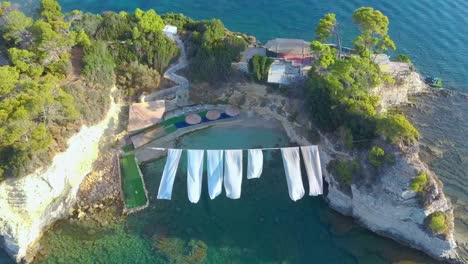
(51, 10)
(437, 223)
(15, 25)
(345, 170)
(325, 54)
(259, 67)
(376, 157)
(135, 78)
(98, 64)
(9, 76)
(418, 184)
(213, 30)
(5, 7)
(89, 23)
(21, 59)
(82, 39)
(326, 28)
(397, 129)
(149, 21)
(374, 31)
(113, 27)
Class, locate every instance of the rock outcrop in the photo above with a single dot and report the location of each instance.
(30, 203)
(396, 94)
(385, 205)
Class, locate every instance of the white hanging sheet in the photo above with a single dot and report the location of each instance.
(292, 168)
(215, 172)
(194, 174)
(313, 168)
(233, 173)
(169, 173)
(255, 164)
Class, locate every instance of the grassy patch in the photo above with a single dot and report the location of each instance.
(128, 148)
(132, 184)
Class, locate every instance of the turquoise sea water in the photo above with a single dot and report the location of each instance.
(433, 32)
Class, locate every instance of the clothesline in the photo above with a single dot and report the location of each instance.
(278, 148)
(225, 167)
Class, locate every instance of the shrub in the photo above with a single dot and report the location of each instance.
(419, 183)
(178, 20)
(98, 64)
(397, 129)
(113, 27)
(437, 223)
(345, 170)
(376, 157)
(404, 58)
(135, 78)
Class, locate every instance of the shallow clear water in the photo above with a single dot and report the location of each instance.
(264, 226)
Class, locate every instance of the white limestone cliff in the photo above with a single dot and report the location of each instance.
(30, 203)
(384, 204)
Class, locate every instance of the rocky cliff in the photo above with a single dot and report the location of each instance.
(396, 94)
(30, 203)
(384, 204)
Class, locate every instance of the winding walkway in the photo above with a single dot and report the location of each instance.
(182, 82)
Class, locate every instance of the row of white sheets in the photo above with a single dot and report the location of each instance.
(224, 167)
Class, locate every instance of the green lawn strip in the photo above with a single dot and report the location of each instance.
(170, 129)
(128, 148)
(132, 183)
(203, 114)
(172, 121)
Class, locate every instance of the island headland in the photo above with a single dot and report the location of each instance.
(74, 82)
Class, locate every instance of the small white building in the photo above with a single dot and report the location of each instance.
(170, 30)
(283, 72)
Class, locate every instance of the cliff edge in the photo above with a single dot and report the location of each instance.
(30, 203)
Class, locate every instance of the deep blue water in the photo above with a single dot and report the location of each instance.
(433, 32)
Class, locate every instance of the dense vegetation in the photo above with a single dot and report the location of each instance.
(36, 114)
(126, 43)
(340, 86)
(211, 47)
(61, 69)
